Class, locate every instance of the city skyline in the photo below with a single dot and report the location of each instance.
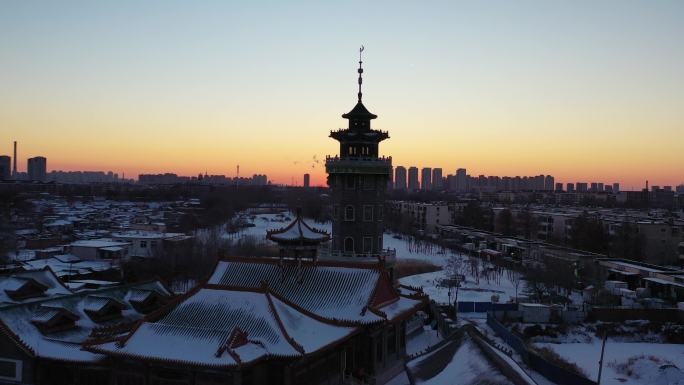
(599, 98)
(306, 180)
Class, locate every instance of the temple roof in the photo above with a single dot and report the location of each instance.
(335, 292)
(298, 231)
(359, 112)
(252, 309)
(220, 327)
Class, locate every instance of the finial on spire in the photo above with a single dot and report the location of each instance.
(360, 72)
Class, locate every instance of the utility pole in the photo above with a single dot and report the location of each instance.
(603, 348)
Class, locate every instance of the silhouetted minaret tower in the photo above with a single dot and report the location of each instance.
(358, 181)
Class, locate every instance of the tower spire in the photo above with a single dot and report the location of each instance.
(360, 70)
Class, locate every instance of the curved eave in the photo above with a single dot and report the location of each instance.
(359, 112)
(299, 241)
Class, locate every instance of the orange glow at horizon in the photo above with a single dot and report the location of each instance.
(507, 89)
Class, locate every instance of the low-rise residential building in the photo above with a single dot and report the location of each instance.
(424, 216)
(146, 244)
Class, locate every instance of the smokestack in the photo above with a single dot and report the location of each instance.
(14, 170)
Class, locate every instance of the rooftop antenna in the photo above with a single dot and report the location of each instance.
(360, 70)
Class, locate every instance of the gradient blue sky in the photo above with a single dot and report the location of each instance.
(583, 90)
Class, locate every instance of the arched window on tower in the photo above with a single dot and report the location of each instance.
(349, 245)
(349, 213)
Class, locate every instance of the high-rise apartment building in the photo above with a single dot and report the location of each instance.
(413, 184)
(400, 178)
(37, 168)
(437, 182)
(549, 183)
(616, 188)
(581, 186)
(570, 187)
(307, 180)
(461, 180)
(5, 167)
(426, 179)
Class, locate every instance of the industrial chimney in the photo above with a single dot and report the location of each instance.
(14, 169)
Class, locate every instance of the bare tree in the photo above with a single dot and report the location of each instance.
(515, 277)
(475, 268)
(456, 270)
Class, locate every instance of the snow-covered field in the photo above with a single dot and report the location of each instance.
(470, 290)
(645, 368)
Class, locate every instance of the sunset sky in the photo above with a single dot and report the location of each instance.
(583, 90)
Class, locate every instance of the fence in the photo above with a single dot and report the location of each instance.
(615, 314)
(549, 370)
(484, 307)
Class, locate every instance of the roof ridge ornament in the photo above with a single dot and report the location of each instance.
(360, 71)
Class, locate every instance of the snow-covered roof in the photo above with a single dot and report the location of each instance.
(21, 321)
(98, 243)
(334, 292)
(298, 230)
(141, 234)
(223, 328)
(45, 278)
(69, 265)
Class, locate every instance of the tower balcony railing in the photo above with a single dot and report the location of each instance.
(380, 160)
(347, 130)
(387, 256)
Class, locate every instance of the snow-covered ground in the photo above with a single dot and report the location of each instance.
(422, 341)
(644, 368)
(406, 249)
(465, 366)
(470, 290)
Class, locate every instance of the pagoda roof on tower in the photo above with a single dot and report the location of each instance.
(298, 231)
(359, 112)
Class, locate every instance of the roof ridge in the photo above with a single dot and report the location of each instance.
(77, 294)
(296, 345)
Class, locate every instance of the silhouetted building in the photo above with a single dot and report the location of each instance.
(461, 180)
(549, 183)
(437, 179)
(358, 179)
(5, 170)
(616, 188)
(413, 184)
(307, 180)
(37, 168)
(400, 178)
(426, 179)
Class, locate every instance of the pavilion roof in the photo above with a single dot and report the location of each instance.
(298, 231)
